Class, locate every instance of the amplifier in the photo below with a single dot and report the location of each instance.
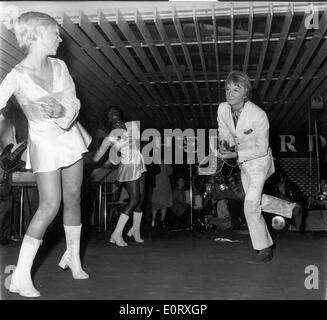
(23, 178)
(316, 220)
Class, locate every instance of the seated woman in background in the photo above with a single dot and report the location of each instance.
(179, 200)
(162, 197)
(122, 137)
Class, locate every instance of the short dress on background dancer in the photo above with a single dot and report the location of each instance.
(132, 163)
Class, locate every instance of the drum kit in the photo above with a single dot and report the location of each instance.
(216, 182)
(217, 170)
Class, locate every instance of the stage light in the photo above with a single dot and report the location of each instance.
(322, 196)
(317, 103)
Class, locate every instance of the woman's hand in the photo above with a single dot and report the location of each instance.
(53, 108)
(102, 150)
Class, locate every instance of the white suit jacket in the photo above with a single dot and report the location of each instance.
(251, 133)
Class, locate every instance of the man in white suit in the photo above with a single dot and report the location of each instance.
(244, 126)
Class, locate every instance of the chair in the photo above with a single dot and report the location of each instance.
(104, 177)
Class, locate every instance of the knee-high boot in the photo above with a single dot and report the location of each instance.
(21, 281)
(135, 230)
(71, 257)
(117, 235)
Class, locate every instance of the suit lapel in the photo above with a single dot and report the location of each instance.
(243, 118)
(231, 121)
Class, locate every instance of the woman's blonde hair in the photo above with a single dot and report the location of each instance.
(25, 27)
(240, 78)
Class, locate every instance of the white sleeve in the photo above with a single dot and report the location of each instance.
(7, 88)
(224, 132)
(69, 100)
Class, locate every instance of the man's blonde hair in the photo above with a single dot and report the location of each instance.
(25, 27)
(240, 78)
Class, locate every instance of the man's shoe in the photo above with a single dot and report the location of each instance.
(263, 256)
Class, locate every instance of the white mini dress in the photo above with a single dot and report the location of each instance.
(52, 143)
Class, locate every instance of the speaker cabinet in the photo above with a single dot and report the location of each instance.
(316, 220)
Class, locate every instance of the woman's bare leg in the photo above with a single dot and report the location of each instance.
(49, 188)
(71, 187)
(138, 213)
(133, 190)
(72, 178)
(154, 215)
(163, 215)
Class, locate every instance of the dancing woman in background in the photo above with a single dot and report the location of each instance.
(122, 137)
(56, 143)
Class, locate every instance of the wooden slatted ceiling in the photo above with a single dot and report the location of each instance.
(215, 40)
(180, 33)
(94, 59)
(317, 86)
(278, 51)
(203, 63)
(248, 44)
(287, 64)
(155, 52)
(231, 64)
(164, 38)
(149, 99)
(264, 46)
(124, 27)
(303, 87)
(316, 39)
(166, 65)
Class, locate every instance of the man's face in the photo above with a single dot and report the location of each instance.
(181, 182)
(235, 94)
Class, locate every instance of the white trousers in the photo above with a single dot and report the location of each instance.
(253, 175)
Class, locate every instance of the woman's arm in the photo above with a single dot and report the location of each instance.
(7, 89)
(106, 143)
(223, 129)
(69, 102)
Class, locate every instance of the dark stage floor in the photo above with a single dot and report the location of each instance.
(179, 265)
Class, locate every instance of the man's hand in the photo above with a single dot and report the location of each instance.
(226, 154)
(223, 146)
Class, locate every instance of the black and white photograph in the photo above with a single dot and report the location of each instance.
(164, 155)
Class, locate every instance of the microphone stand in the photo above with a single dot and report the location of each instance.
(103, 181)
(190, 228)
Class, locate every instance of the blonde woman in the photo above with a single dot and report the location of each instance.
(46, 93)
